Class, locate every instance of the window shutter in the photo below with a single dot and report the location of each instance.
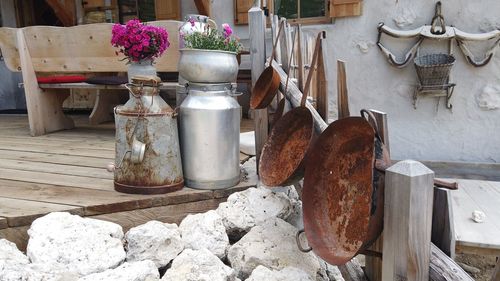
(345, 8)
(241, 8)
(168, 9)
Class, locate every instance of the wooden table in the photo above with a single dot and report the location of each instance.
(471, 237)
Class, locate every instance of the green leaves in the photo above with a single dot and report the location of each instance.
(212, 39)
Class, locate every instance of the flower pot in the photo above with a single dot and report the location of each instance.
(143, 67)
(208, 66)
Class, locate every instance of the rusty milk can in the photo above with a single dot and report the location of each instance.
(148, 159)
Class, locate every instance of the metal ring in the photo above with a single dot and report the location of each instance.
(299, 244)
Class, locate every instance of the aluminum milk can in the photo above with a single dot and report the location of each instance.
(209, 120)
(148, 159)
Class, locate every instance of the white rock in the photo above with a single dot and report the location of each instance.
(205, 231)
(246, 209)
(489, 97)
(296, 218)
(286, 274)
(198, 265)
(11, 255)
(249, 171)
(155, 241)
(290, 191)
(61, 240)
(271, 244)
(332, 272)
(134, 271)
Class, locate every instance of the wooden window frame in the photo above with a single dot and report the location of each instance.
(313, 20)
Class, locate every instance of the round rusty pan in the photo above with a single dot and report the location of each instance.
(282, 156)
(337, 195)
(265, 88)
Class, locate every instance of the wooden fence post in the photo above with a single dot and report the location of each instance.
(257, 26)
(409, 191)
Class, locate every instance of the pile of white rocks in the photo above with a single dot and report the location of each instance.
(249, 237)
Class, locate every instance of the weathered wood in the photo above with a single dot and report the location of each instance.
(80, 161)
(44, 108)
(342, 93)
(442, 231)
(83, 85)
(465, 170)
(64, 150)
(322, 83)
(381, 119)
(373, 265)
(409, 193)
(22, 212)
(352, 271)
(496, 273)
(470, 236)
(294, 95)
(3, 223)
(56, 179)
(443, 268)
(88, 172)
(257, 27)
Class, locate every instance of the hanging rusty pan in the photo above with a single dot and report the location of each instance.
(267, 85)
(283, 154)
(343, 190)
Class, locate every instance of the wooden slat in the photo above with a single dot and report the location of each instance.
(83, 85)
(87, 48)
(50, 168)
(64, 180)
(96, 153)
(53, 141)
(96, 202)
(23, 212)
(54, 158)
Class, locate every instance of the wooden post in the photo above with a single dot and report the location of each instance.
(409, 191)
(257, 25)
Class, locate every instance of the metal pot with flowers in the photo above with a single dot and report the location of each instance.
(209, 56)
(141, 44)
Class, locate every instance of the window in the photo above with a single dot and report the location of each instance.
(303, 11)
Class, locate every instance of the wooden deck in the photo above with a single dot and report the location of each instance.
(65, 171)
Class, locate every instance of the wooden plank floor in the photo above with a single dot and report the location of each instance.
(65, 171)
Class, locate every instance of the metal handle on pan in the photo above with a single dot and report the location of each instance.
(299, 244)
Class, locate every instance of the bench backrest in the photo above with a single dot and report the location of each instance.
(83, 48)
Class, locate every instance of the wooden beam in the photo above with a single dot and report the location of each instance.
(496, 274)
(294, 95)
(443, 268)
(257, 26)
(409, 190)
(204, 7)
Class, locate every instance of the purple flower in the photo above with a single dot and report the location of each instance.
(191, 20)
(227, 30)
(138, 41)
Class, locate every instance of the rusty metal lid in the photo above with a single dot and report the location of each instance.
(146, 80)
(337, 192)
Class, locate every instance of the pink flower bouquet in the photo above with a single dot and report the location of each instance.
(138, 41)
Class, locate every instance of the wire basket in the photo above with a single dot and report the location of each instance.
(434, 69)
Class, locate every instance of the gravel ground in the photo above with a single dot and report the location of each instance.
(486, 265)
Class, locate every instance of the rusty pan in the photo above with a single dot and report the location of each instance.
(267, 84)
(282, 158)
(343, 190)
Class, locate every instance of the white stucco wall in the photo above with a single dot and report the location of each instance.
(470, 132)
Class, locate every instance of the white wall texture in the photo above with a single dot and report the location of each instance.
(470, 132)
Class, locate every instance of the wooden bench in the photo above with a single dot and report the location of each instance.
(86, 49)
